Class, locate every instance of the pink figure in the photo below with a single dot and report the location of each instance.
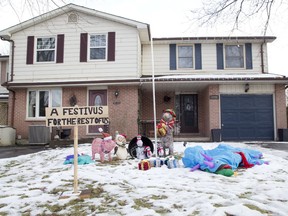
(103, 146)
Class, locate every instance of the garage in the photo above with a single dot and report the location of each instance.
(247, 117)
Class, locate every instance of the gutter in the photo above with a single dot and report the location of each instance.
(11, 80)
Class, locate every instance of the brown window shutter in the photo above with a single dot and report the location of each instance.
(111, 46)
(83, 47)
(60, 49)
(30, 50)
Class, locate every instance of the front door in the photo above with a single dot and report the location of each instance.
(97, 98)
(189, 113)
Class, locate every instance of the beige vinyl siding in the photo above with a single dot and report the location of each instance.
(209, 61)
(126, 62)
(253, 89)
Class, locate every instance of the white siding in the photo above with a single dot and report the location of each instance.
(209, 61)
(126, 62)
(253, 89)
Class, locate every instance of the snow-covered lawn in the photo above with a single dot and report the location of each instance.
(32, 185)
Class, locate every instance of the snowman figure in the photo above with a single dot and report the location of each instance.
(140, 150)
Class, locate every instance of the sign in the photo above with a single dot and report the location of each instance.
(214, 97)
(72, 116)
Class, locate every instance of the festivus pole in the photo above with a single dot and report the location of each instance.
(154, 104)
(76, 159)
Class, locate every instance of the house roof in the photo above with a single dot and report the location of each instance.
(238, 39)
(4, 57)
(171, 80)
(143, 28)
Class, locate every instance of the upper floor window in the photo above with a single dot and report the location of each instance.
(185, 56)
(98, 46)
(45, 49)
(234, 56)
(38, 100)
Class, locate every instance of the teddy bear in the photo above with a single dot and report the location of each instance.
(165, 131)
(121, 150)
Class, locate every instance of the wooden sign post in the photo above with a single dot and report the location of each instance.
(75, 116)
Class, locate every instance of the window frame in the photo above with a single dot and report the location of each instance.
(49, 49)
(37, 101)
(243, 57)
(98, 47)
(193, 56)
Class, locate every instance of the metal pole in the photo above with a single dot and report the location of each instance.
(76, 159)
(154, 98)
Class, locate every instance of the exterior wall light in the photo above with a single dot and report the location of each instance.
(116, 93)
(247, 87)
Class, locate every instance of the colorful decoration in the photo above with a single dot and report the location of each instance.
(165, 131)
(82, 159)
(136, 143)
(120, 149)
(103, 146)
(223, 159)
(144, 165)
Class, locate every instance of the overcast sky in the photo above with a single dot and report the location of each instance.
(167, 18)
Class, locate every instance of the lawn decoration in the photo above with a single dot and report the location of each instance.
(103, 146)
(165, 131)
(140, 147)
(223, 159)
(142, 152)
(144, 165)
(82, 159)
(120, 149)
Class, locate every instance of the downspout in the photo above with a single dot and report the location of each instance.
(11, 80)
(262, 58)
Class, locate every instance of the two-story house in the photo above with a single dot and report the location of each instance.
(76, 55)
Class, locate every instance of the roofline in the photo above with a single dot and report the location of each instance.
(219, 38)
(71, 83)
(6, 33)
(283, 80)
(4, 56)
(279, 80)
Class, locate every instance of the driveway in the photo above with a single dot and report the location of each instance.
(282, 146)
(14, 151)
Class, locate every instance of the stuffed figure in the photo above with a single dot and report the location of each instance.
(120, 149)
(140, 150)
(103, 146)
(165, 131)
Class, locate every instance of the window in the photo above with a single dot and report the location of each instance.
(185, 56)
(38, 100)
(234, 56)
(45, 49)
(98, 46)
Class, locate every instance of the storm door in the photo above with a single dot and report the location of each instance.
(189, 113)
(97, 98)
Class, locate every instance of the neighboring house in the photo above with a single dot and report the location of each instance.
(76, 55)
(4, 62)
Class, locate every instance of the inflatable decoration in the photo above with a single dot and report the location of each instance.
(223, 159)
(165, 131)
(82, 159)
(103, 146)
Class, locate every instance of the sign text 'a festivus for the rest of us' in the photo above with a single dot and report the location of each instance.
(72, 116)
